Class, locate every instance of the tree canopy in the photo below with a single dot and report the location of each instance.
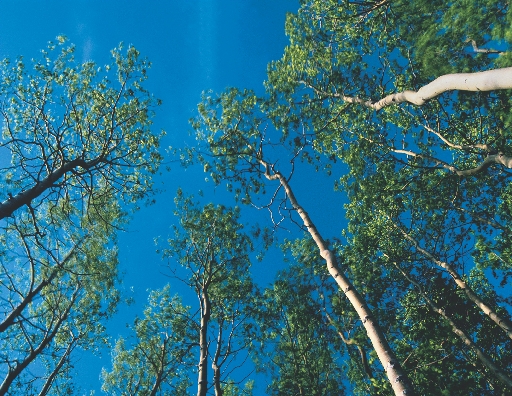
(78, 151)
(405, 104)
(378, 87)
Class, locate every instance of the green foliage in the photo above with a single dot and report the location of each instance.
(78, 152)
(210, 253)
(157, 356)
(420, 200)
(298, 348)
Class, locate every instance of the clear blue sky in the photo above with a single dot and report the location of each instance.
(194, 45)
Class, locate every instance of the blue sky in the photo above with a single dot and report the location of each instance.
(194, 45)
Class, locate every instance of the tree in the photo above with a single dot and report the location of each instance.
(56, 305)
(77, 146)
(427, 178)
(427, 172)
(235, 142)
(160, 357)
(213, 252)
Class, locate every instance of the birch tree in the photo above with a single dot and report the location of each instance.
(234, 151)
(414, 98)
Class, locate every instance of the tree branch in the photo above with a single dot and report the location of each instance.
(503, 323)
(482, 356)
(489, 80)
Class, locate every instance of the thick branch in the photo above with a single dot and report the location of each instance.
(20, 366)
(483, 50)
(49, 382)
(351, 341)
(471, 147)
(9, 320)
(484, 165)
(25, 197)
(489, 80)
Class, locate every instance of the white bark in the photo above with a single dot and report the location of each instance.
(489, 80)
(396, 375)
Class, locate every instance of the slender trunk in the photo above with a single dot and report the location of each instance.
(49, 381)
(215, 364)
(18, 368)
(202, 383)
(503, 323)
(9, 320)
(160, 367)
(482, 356)
(396, 375)
(216, 381)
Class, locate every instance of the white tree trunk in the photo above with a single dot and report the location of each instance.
(489, 80)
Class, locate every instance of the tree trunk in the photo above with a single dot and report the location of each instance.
(397, 377)
(215, 364)
(202, 383)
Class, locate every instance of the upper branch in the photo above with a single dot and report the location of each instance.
(489, 80)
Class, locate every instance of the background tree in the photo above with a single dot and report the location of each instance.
(213, 253)
(159, 358)
(428, 186)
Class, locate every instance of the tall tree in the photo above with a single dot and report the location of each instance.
(213, 251)
(75, 146)
(233, 129)
(384, 88)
